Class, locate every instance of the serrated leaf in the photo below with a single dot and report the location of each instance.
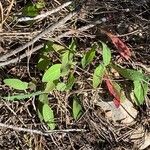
(48, 116)
(16, 84)
(98, 75)
(70, 82)
(61, 86)
(77, 109)
(106, 54)
(140, 91)
(129, 73)
(89, 56)
(22, 96)
(53, 73)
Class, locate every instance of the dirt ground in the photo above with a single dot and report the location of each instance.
(20, 127)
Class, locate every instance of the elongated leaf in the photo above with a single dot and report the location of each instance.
(77, 109)
(22, 96)
(113, 91)
(122, 48)
(16, 84)
(140, 91)
(98, 75)
(106, 54)
(129, 73)
(88, 57)
(119, 91)
(67, 60)
(52, 73)
(61, 86)
(43, 99)
(48, 116)
(73, 45)
(70, 82)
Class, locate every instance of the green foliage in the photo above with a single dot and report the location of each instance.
(67, 60)
(129, 73)
(16, 84)
(77, 109)
(98, 75)
(48, 116)
(32, 9)
(119, 91)
(73, 45)
(89, 56)
(61, 75)
(140, 91)
(106, 54)
(43, 63)
(40, 4)
(53, 73)
(21, 96)
(42, 99)
(61, 87)
(50, 86)
(70, 82)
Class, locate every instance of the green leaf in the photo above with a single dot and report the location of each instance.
(43, 99)
(119, 91)
(61, 86)
(77, 109)
(140, 91)
(50, 46)
(40, 4)
(58, 47)
(16, 84)
(98, 75)
(53, 73)
(22, 96)
(43, 63)
(48, 116)
(50, 86)
(67, 59)
(30, 10)
(70, 82)
(129, 73)
(106, 54)
(89, 56)
(73, 45)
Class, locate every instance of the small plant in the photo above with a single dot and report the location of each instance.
(33, 9)
(60, 76)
